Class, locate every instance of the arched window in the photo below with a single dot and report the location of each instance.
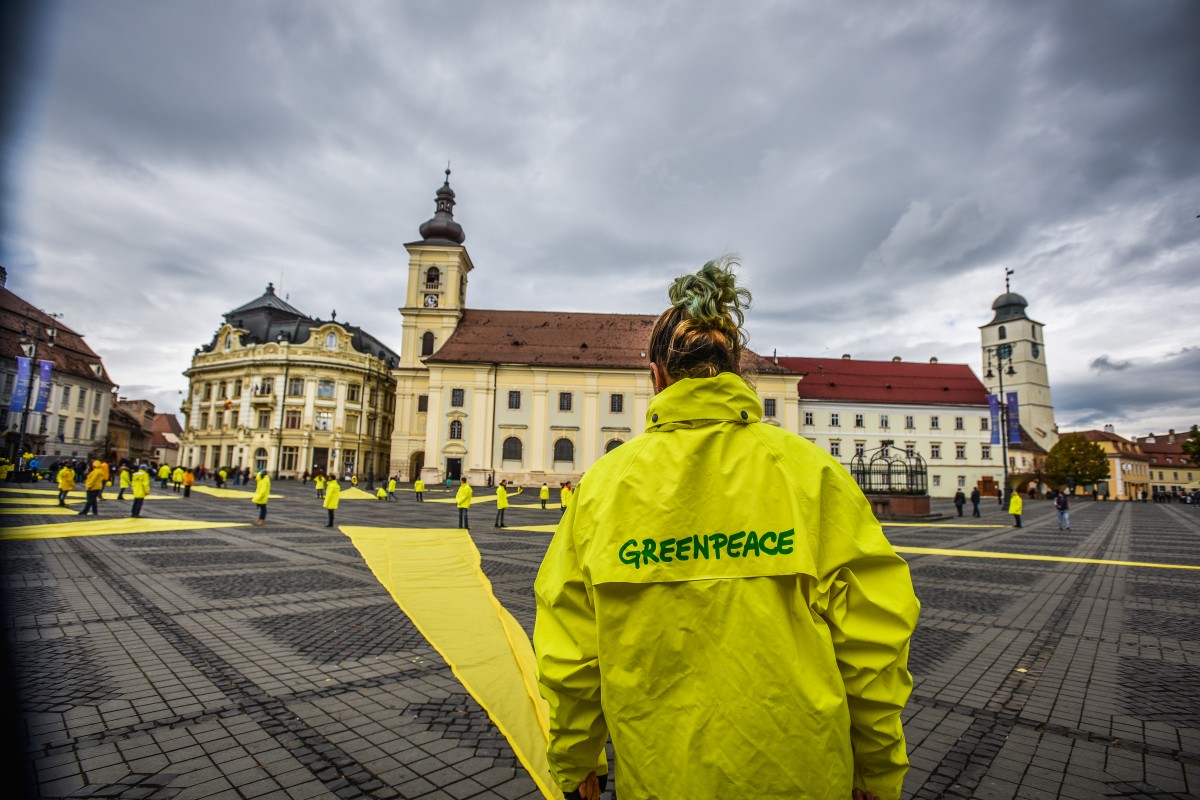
(260, 459)
(564, 450)
(427, 344)
(433, 277)
(613, 444)
(512, 449)
(1003, 332)
(228, 341)
(456, 429)
(331, 340)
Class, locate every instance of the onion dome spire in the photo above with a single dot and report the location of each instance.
(442, 229)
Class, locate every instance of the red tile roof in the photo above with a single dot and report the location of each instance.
(1122, 446)
(1163, 452)
(889, 382)
(70, 354)
(560, 339)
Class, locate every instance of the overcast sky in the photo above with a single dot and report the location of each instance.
(877, 165)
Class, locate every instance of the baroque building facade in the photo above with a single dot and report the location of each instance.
(526, 396)
(278, 390)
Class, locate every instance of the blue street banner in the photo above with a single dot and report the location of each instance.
(994, 407)
(1014, 419)
(43, 392)
(21, 392)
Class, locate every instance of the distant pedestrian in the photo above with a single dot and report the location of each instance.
(1014, 508)
(333, 495)
(1063, 507)
(141, 490)
(381, 494)
(189, 479)
(960, 500)
(564, 496)
(94, 485)
(304, 478)
(177, 479)
(262, 493)
(419, 488)
(975, 502)
(501, 503)
(391, 489)
(319, 482)
(66, 484)
(544, 495)
(222, 476)
(164, 475)
(463, 501)
(124, 482)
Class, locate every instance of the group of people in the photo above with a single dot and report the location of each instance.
(136, 481)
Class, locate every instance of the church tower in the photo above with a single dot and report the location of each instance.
(436, 294)
(1015, 345)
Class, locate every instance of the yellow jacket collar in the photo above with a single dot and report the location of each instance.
(725, 398)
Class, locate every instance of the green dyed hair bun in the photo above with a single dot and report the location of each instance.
(711, 298)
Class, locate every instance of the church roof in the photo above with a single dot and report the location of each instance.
(441, 229)
(889, 382)
(70, 354)
(560, 339)
(268, 300)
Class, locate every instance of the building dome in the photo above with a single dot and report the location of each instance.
(1009, 305)
(442, 229)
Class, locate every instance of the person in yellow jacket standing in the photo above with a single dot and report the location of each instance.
(319, 482)
(141, 490)
(177, 479)
(544, 495)
(94, 485)
(164, 475)
(1015, 505)
(124, 482)
(262, 492)
(66, 483)
(333, 496)
(391, 489)
(463, 501)
(189, 480)
(419, 489)
(501, 503)
(564, 496)
(727, 585)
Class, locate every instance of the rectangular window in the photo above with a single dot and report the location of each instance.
(288, 457)
(203, 452)
(291, 418)
(237, 389)
(934, 423)
(860, 448)
(352, 423)
(65, 400)
(8, 384)
(835, 448)
(207, 394)
(371, 397)
(514, 400)
(962, 481)
(1012, 462)
(769, 407)
(78, 430)
(960, 451)
(203, 420)
(909, 422)
(264, 419)
(808, 418)
(96, 403)
(858, 420)
(883, 422)
(564, 401)
(909, 450)
(82, 404)
(959, 424)
(983, 423)
(835, 421)
(937, 480)
(325, 388)
(94, 430)
(422, 403)
(616, 404)
(353, 393)
(935, 451)
(295, 387)
(233, 419)
(324, 421)
(458, 398)
(985, 452)
(62, 429)
(221, 390)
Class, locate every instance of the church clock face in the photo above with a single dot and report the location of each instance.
(431, 301)
(1036, 350)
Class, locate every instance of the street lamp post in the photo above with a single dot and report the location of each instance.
(1001, 352)
(30, 348)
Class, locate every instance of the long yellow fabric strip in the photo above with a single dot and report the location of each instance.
(434, 575)
(51, 511)
(934, 551)
(99, 526)
(235, 493)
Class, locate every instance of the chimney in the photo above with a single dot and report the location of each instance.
(3, 277)
(1109, 429)
(1171, 436)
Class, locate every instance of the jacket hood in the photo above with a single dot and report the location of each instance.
(725, 398)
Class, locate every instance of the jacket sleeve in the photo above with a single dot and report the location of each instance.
(871, 612)
(564, 639)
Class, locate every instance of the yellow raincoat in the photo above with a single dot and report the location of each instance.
(177, 475)
(164, 472)
(544, 492)
(564, 496)
(141, 484)
(463, 498)
(501, 497)
(95, 479)
(418, 485)
(1015, 504)
(66, 479)
(720, 599)
(124, 479)
(333, 495)
(262, 491)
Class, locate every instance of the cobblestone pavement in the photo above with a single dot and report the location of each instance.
(268, 663)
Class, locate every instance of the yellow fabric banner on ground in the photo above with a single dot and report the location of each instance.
(209, 490)
(355, 493)
(99, 526)
(434, 575)
(52, 511)
(935, 551)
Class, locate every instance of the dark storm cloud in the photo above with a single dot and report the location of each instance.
(1105, 364)
(877, 166)
(1163, 390)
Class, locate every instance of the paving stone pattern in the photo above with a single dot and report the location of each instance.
(268, 662)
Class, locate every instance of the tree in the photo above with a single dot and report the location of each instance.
(1074, 457)
(1191, 445)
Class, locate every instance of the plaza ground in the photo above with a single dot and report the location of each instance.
(268, 662)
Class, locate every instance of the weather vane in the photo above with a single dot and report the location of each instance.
(1007, 272)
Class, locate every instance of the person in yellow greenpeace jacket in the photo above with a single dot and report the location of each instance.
(501, 503)
(719, 597)
(94, 486)
(189, 480)
(177, 479)
(463, 501)
(419, 489)
(66, 483)
(391, 489)
(564, 495)
(1015, 504)
(164, 475)
(333, 496)
(544, 494)
(124, 482)
(262, 493)
(141, 490)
